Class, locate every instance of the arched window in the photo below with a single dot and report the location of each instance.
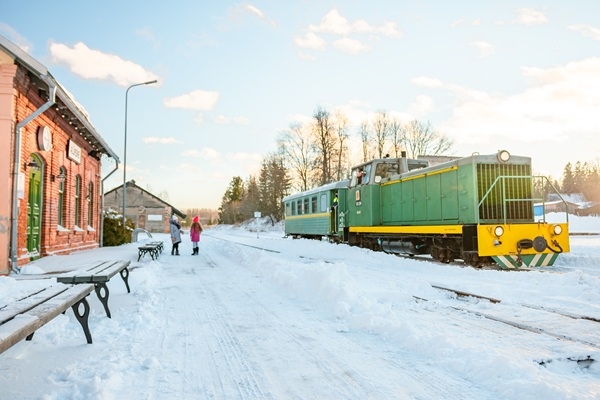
(90, 201)
(61, 195)
(78, 200)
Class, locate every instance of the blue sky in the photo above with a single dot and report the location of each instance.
(517, 75)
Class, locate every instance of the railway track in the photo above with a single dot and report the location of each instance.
(590, 321)
(510, 315)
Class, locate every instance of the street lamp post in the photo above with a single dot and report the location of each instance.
(125, 147)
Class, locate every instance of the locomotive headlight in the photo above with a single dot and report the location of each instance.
(503, 156)
(556, 229)
(498, 231)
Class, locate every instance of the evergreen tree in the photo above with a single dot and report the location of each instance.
(568, 181)
(229, 212)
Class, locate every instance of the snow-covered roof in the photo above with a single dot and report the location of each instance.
(65, 103)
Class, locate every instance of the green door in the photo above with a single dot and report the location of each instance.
(34, 210)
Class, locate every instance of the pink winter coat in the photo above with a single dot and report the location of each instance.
(195, 233)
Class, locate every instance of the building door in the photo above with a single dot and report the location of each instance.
(34, 208)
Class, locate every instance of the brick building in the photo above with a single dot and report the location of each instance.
(146, 210)
(50, 165)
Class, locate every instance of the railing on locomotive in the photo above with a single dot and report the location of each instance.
(506, 200)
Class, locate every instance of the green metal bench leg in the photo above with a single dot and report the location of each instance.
(82, 317)
(103, 296)
(125, 275)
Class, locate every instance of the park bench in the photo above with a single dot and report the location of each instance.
(21, 318)
(152, 248)
(99, 274)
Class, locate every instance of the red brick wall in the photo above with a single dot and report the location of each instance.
(54, 240)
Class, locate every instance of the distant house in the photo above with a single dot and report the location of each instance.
(146, 210)
(571, 203)
(592, 209)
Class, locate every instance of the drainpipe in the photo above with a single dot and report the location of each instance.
(17, 168)
(102, 205)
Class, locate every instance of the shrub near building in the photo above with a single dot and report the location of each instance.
(115, 234)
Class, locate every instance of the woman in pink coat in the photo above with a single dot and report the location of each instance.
(195, 231)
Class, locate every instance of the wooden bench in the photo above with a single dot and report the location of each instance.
(21, 318)
(98, 274)
(152, 248)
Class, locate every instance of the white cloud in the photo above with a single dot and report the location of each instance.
(485, 48)
(201, 100)
(351, 46)
(147, 34)
(193, 153)
(161, 140)
(421, 106)
(587, 31)
(239, 12)
(94, 64)
(16, 38)
(561, 104)
(221, 119)
(310, 41)
(334, 23)
(529, 16)
(209, 153)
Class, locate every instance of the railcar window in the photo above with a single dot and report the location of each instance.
(313, 204)
(287, 209)
(323, 202)
(305, 209)
(294, 207)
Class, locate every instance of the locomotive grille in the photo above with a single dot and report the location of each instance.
(510, 198)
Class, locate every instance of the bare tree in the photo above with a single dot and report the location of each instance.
(298, 151)
(381, 131)
(396, 137)
(323, 133)
(340, 126)
(365, 137)
(421, 139)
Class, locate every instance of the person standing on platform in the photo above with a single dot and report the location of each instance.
(175, 229)
(195, 231)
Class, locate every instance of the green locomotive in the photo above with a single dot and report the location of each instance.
(479, 209)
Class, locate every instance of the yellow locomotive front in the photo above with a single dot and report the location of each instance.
(508, 230)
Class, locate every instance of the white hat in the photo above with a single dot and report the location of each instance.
(175, 218)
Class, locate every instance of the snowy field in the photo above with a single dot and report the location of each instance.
(259, 316)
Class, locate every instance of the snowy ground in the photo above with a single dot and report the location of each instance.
(258, 316)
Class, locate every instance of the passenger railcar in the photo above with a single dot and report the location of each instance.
(317, 212)
(478, 209)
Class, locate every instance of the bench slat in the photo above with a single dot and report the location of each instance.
(101, 272)
(25, 324)
(9, 311)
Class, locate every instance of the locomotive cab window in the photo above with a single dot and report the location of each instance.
(360, 175)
